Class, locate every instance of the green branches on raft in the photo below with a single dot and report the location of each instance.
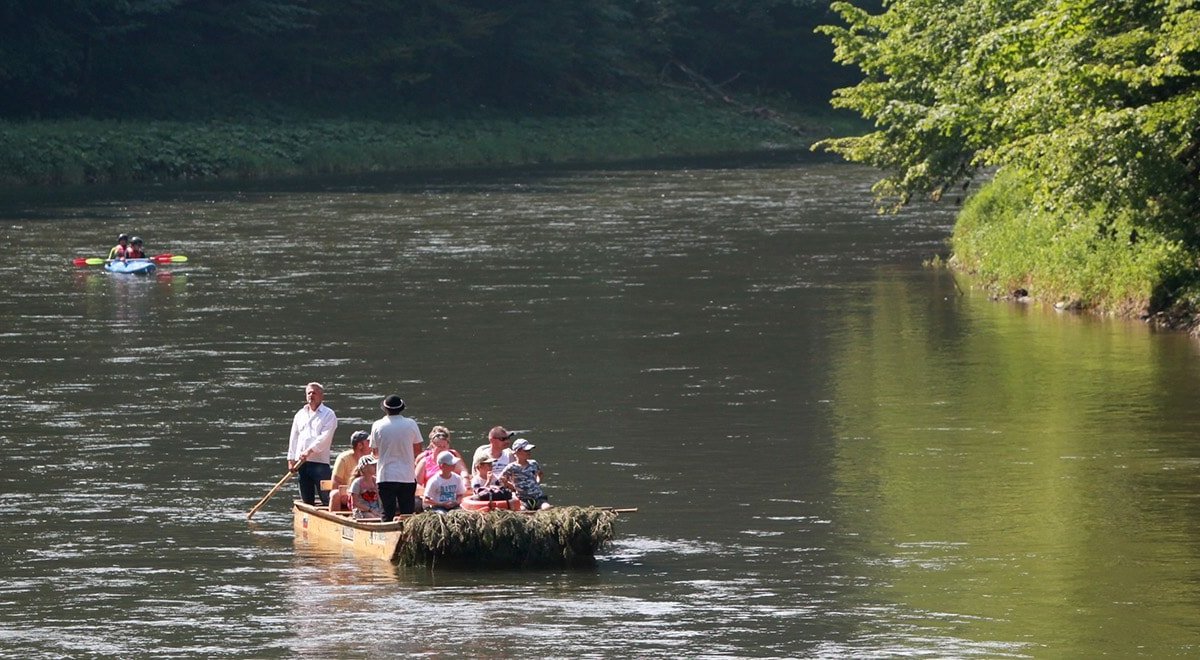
(561, 536)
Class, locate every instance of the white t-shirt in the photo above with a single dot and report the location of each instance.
(498, 464)
(445, 491)
(393, 437)
(312, 429)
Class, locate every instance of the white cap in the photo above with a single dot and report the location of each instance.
(446, 458)
(522, 443)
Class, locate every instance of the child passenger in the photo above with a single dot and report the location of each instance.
(525, 477)
(364, 492)
(444, 491)
(485, 484)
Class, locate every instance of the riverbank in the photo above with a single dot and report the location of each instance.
(1092, 260)
(632, 127)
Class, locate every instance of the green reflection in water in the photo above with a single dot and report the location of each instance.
(1020, 481)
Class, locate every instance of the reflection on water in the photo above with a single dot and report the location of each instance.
(131, 298)
(1008, 470)
(833, 453)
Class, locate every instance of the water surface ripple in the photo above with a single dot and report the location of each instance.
(834, 453)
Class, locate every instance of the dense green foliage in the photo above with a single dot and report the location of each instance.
(630, 127)
(182, 59)
(116, 90)
(1013, 243)
(1092, 109)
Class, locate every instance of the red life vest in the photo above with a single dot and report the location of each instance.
(134, 253)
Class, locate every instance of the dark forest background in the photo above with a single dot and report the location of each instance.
(185, 59)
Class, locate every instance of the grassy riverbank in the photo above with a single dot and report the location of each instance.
(1095, 259)
(631, 127)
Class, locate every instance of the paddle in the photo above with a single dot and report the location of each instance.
(158, 259)
(291, 473)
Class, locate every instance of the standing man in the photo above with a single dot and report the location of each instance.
(396, 441)
(311, 438)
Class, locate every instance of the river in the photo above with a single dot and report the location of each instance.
(834, 451)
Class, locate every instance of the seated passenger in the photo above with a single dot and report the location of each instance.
(343, 471)
(525, 477)
(122, 247)
(364, 491)
(426, 461)
(497, 448)
(135, 249)
(485, 484)
(445, 491)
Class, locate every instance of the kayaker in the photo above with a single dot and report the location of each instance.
(343, 471)
(310, 441)
(396, 442)
(525, 476)
(444, 492)
(135, 249)
(364, 490)
(497, 448)
(118, 251)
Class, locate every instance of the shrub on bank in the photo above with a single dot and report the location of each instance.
(649, 126)
(1094, 258)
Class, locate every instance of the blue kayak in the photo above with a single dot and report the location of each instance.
(135, 266)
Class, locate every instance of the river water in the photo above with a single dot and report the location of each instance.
(834, 451)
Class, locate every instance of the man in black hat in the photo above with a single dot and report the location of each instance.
(396, 441)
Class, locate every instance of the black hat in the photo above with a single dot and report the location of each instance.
(123, 237)
(392, 404)
(359, 436)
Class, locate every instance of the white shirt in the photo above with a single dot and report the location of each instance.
(498, 462)
(392, 438)
(445, 491)
(312, 430)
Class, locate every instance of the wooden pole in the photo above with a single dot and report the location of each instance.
(284, 480)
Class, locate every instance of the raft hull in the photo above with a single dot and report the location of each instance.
(557, 537)
(373, 539)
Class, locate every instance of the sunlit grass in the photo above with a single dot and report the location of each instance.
(1082, 258)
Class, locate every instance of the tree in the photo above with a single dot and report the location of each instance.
(49, 50)
(957, 86)
(1096, 105)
